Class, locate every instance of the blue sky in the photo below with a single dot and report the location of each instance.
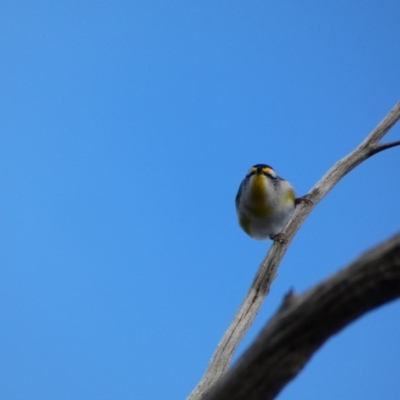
(126, 128)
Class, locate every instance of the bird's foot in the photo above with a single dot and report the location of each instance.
(280, 238)
(303, 199)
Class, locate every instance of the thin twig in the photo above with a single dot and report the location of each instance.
(384, 146)
(267, 270)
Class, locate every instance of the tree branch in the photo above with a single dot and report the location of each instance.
(385, 146)
(303, 323)
(268, 267)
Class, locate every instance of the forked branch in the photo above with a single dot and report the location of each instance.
(268, 267)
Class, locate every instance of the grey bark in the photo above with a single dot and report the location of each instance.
(268, 267)
(303, 323)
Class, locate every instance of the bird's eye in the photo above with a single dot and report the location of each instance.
(270, 172)
(252, 169)
(266, 170)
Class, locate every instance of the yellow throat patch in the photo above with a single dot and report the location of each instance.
(259, 197)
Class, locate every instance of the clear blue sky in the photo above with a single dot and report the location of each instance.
(126, 128)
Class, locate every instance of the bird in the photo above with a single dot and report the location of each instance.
(265, 202)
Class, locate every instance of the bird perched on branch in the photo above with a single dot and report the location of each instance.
(265, 202)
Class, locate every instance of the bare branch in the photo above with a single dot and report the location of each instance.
(268, 267)
(385, 146)
(304, 323)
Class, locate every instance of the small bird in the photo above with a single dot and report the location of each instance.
(265, 202)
